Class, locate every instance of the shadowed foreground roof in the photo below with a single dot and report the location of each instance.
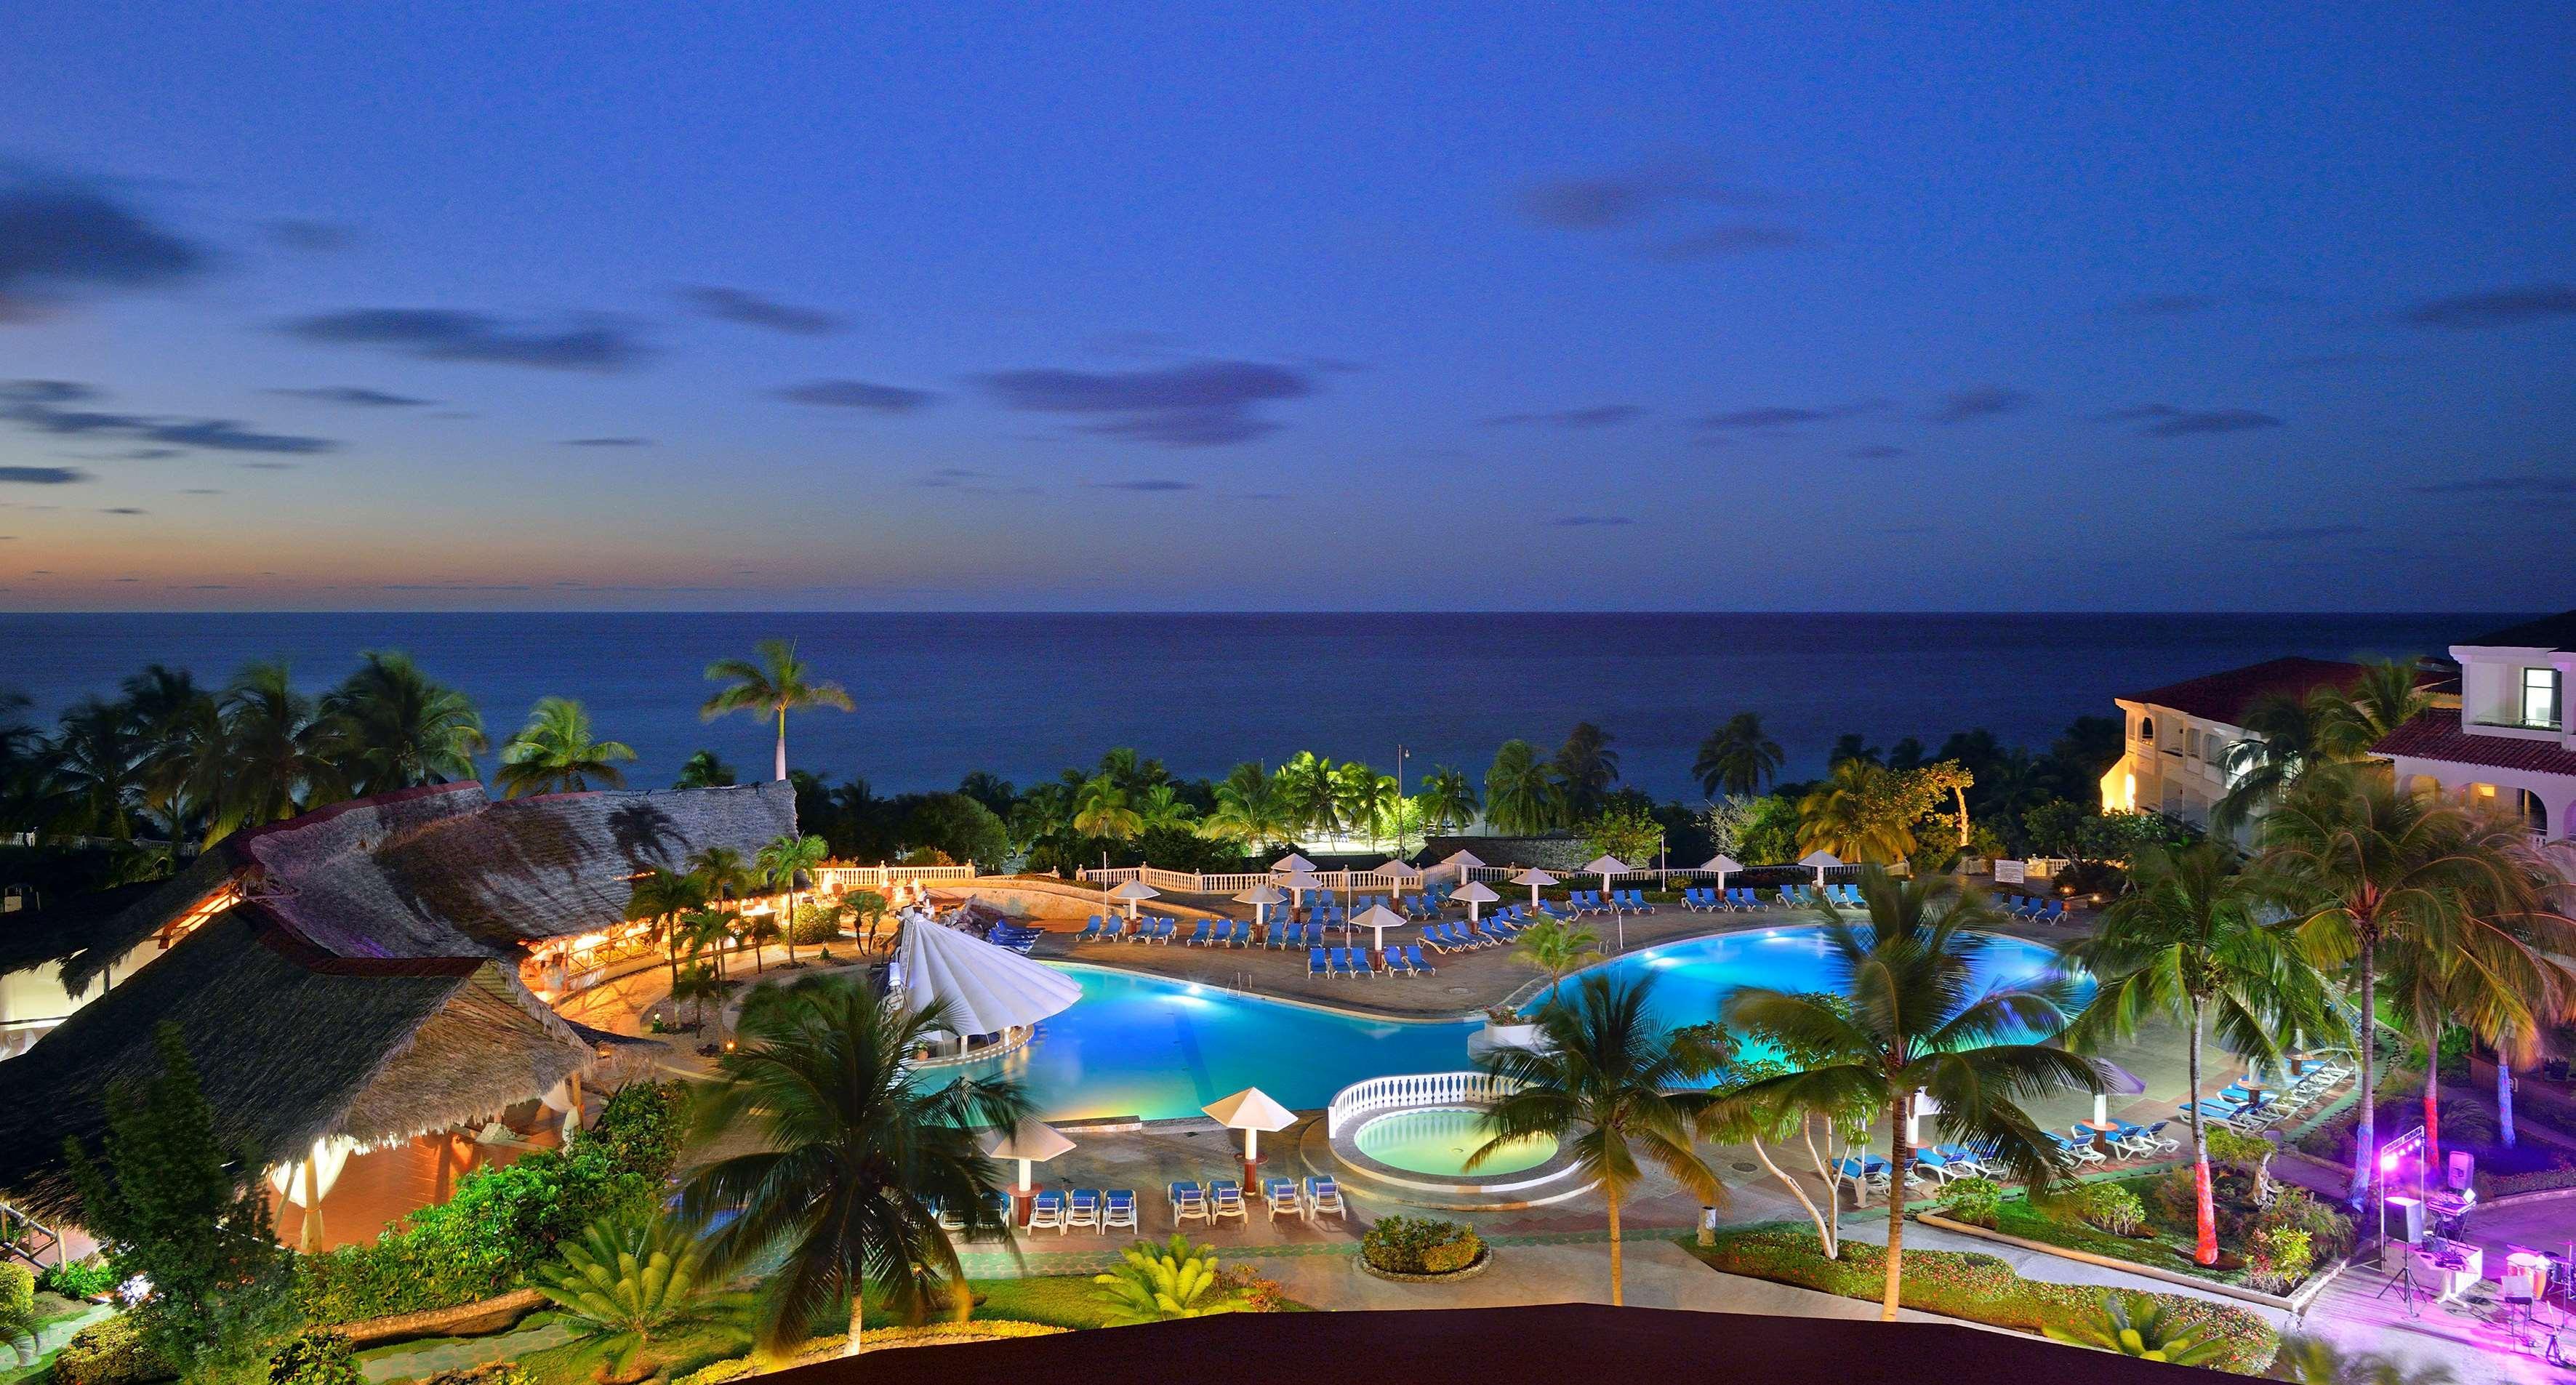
(2226, 697)
(1553, 1344)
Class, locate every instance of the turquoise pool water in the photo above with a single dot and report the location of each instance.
(1439, 1139)
(1155, 1048)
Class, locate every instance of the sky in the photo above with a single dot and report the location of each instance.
(1287, 307)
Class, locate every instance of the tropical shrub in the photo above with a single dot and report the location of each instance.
(2278, 1258)
(819, 921)
(1249, 1288)
(316, 1358)
(17, 1305)
(628, 1277)
(2143, 1326)
(1153, 1283)
(2110, 1207)
(2329, 1231)
(112, 1352)
(640, 1128)
(1977, 1201)
(490, 1373)
(77, 1279)
(1420, 1245)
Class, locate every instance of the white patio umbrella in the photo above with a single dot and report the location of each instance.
(1250, 1111)
(1261, 897)
(1606, 867)
(1033, 1142)
(1133, 891)
(1298, 882)
(1820, 861)
(1401, 871)
(2114, 1079)
(1724, 865)
(1534, 877)
(1380, 918)
(1475, 892)
(1290, 863)
(1460, 861)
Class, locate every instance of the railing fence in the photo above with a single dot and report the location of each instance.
(1414, 1089)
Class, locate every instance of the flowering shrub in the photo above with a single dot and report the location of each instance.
(2278, 1259)
(2112, 1208)
(1259, 1295)
(1977, 1201)
(1420, 1245)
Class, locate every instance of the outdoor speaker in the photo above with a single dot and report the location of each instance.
(2410, 1217)
(2464, 1168)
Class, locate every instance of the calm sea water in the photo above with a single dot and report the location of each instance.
(1026, 695)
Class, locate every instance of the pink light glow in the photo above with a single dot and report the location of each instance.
(2390, 1159)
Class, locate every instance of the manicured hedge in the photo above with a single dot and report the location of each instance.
(1420, 1245)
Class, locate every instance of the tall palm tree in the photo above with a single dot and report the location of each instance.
(1520, 798)
(94, 771)
(783, 859)
(857, 1158)
(1101, 810)
(554, 753)
(2187, 941)
(275, 751)
(1162, 808)
(2500, 980)
(663, 896)
(1609, 1084)
(1247, 810)
(727, 876)
(1737, 758)
(1448, 800)
(2360, 863)
(1585, 766)
(179, 728)
(773, 684)
(1920, 1022)
(702, 770)
(2350, 719)
(1306, 791)
(2281, 740)
(707, 933)
(391, 726)
(1857, 814)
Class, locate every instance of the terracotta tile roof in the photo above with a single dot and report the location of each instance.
(2436, 735)
(2226, 696)
(2549, 632)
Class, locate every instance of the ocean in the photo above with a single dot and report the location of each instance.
(1024, 695)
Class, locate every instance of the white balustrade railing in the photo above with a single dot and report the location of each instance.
(832, 879)
(1414, 1089)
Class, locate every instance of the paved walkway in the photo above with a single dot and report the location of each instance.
(1659, 1274)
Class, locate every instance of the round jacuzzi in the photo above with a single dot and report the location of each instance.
(1438, 1139)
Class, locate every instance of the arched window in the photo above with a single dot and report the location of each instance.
(2146, 728)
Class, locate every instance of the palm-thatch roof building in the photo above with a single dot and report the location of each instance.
(353, 973)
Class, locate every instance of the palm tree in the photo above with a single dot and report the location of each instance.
(2361, 863)
(1852, 745)
(1247, 810)
(1447, 799)
(2318, 1361)
(707, 931)
(1101, 810)
(392, 726)
(2281, 740)
(780, 862)
(1585, 766)
(2133, 1324)
(1607, 1082)
(1557, 946)
(1855, 814)
(663, 896)
(1737, 758)
(2350, 719)
(1920, 1022)
(858, 1160)
(554, 753)
(726, 875)
(2185, 942)
(1520, 799)
(702, 770)
(1369, 799)
(1163, 808)
(94, 771)
(1306, 794)
(179, 729)
(696, 987)
(2500, 979)
(276, 761)
(774, 684)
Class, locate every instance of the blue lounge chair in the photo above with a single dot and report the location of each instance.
(1090, 932)
(1281, 1196)
(1413, 959)
(1323, 1198)
(1118, 1210)
(1340, 959)
(1391, 963)
(1198, 935)
(1318, 963)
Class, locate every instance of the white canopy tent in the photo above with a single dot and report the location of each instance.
(1250, 1111)
(1033, 1142)
(1820, 861)
(1400, 871)
(1298, 882)
(1290, 864)
(988, 990)
(1474, 893)
(1461, 861)
(1724, 865)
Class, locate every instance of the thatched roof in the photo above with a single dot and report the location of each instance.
(366, 985)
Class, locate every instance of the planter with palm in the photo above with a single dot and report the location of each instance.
(771, 685)
(1608, 1083)
(855, 1162)
(1917, 1019)
(1556, 947)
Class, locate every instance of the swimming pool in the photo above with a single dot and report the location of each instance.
(1158, 1049)
(1438, 1139)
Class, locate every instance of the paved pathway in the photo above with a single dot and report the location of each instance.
(1660, 1274)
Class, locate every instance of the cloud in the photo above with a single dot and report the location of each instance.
(606, 442)
(123, 510)
(296, 233)
(37, 405)
(1153, 483)
(1588, 521)
(1199, 404)
(41, 475)
(1979, 401)
(60, 236)
(2164, 305)
(2295, 533)
(753, 310)
(2509, 307)
(2501, 485)
(355, 396)
(1608, 201)
(1717, 241)
(2166, 421)
(857, 394)
(1773, 416)
(201, 490)
(1877, 452)
(1595, 416)
(589, 341)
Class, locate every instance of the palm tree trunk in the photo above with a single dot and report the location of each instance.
(858, 1309)
(2432, 1103)
(2504, 1099)
(1618, 1266)
(2204, 1246)
(1833, 1194)
(791, 921)
(782, 769)
(1900, 1158)
(2366, 1134)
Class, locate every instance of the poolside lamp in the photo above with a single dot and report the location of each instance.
(1379, 918)
(2114, 1079)
(1261, 897)
(1476, 892)
(1607, 867)
(1724, 865)
(1032, 1142)
(1250, 1111)
(1534, 877)
(1133, 891)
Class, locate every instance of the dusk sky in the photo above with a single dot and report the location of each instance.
(1114, 306)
